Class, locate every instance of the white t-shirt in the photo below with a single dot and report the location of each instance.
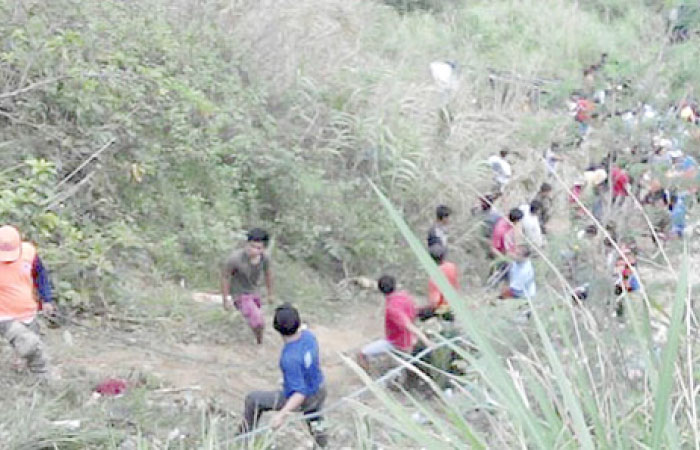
(531, 226)
(501, 169)
(522, 278)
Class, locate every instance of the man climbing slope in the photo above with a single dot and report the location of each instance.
(438, 232)
(240, 279)
(437, 303)
(399, 324)
(21, 271)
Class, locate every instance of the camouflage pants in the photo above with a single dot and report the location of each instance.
(25, 340)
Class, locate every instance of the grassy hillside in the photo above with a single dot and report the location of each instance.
(139, 140)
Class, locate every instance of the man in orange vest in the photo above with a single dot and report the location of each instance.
(21, 272)
(437, 303)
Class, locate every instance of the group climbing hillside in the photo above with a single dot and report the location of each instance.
(327, 224)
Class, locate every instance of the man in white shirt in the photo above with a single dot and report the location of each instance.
(501, 169)
(531, 223)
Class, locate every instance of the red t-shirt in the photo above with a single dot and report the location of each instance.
(435, 296)
(399, 307)
(503, 239)
(584, 109)
(620, 181)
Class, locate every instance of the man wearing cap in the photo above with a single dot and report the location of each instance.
(21, 272)
(303, 387)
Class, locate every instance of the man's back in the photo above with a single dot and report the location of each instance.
(435, 296)
(399, 307)
(500, 234)
(301, 366)
(437, 235)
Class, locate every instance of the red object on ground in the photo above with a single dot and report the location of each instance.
(111, 386)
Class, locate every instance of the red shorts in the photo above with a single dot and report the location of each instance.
(249, 306)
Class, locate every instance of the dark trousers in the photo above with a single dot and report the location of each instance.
(258, 402)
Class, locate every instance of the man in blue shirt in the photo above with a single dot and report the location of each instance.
(303, 389)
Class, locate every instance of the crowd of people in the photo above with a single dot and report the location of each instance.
(665, 184)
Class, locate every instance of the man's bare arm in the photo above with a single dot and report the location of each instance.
(225, 288)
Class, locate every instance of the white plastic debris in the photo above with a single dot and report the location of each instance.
(68, 424)
(68, 338)
(444, 74)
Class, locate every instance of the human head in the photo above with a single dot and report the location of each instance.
(286, 320)
(515, 215)
(442, 213)
(535, 206)
(591, 231)
(386, 284)
(545, 188)
(437, 252)
(10, 244)
(257, 241)
(504, 153)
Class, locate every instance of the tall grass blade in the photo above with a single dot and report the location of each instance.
(668, 359)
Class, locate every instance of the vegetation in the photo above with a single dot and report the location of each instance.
(139, 140)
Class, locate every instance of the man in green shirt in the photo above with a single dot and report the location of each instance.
(240, 280)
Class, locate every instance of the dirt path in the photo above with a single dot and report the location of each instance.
(222, 371)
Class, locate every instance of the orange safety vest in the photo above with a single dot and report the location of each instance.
(17, 300)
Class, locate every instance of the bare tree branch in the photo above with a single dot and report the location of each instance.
(86, 162)
(31, 87)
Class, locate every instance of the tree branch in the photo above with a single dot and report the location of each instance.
(30, 87)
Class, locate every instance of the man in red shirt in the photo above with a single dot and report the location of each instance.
(401, 332)
(503, 238)
(620, 186)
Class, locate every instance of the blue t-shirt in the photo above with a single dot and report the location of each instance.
(688, 163)
(301, 366)
(678, 214)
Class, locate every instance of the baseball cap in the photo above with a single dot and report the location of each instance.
(10, 244)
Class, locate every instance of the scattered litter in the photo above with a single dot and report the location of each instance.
(112, 387)
(68, 424)
(177, 390)
(419, 418)
(68, 338)
(175, 434)
(364, 282)
(205, 297)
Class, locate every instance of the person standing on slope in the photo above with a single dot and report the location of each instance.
(437, 302)
(240, 279)
(21, 272)
(438, 232)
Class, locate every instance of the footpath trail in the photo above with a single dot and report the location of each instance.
(222, 371)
